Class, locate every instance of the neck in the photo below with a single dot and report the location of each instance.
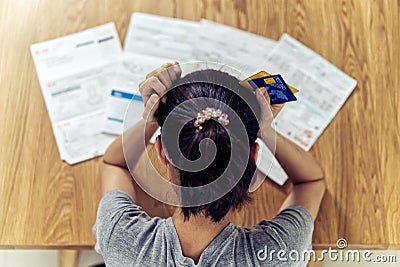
(198, 222)
(196, 233)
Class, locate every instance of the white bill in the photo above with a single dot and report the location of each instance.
(162, 37)
(323, 91)
(75, 73)
(130, 72)
(237, 48)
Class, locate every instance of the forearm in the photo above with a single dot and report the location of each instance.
(303, 170)
(299, 165)
(135, 139)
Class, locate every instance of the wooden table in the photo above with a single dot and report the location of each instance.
(45, 203)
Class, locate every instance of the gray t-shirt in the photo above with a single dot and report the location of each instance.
(127, 236)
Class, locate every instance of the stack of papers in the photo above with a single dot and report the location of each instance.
(88, 81)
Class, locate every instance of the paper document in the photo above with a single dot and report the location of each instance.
(269, 165)
(131, 71)
(88, 82)
(118, 103)
(162, 37)
(323, 91)
(75, 73)
(150, 42)
(154, 40)
(237, 48)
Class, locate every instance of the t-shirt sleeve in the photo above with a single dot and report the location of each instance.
(294, 226)
(114, 206)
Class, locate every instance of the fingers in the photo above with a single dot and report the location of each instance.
(266, 112)
(264, 102)
(155, 71)
(151, 107)
(164, 77)
(159, 81)
(263, 97)
(168, 73)
(150, 86)
(174, 71)
(276, 108)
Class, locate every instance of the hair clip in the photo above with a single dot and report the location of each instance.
(209, 113)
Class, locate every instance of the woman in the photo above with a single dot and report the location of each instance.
(128, 231)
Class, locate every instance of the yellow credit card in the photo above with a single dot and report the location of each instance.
(260, 75)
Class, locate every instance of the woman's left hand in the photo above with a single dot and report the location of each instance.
(150, 108)
(159, 81)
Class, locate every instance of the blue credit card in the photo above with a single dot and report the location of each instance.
(277, 89)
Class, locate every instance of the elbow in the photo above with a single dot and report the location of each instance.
(107, 157)
(106, 160)
(322, 184)
(320, 173)
(109, 162)
(320, 177)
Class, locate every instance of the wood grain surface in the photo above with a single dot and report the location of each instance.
(46, 203)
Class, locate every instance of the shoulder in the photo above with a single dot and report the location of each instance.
(115, 204)
(119, 218)
(291, 229)
(292, 219)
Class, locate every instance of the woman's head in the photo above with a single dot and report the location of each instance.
(197, 91)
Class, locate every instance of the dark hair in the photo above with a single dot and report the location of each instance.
(220, 86)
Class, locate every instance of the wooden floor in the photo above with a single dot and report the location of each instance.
(46, 203)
